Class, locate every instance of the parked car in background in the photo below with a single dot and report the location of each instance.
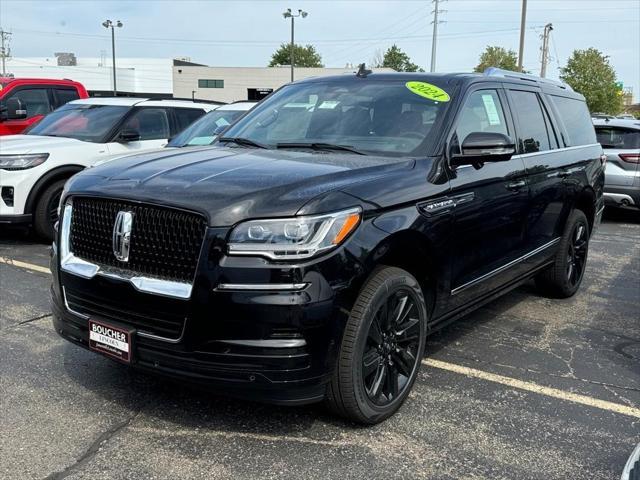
(307, 255)
(205, 130)
(24, 101)
(626, 116)
(602, 116)
(34, 167)
(620, 140)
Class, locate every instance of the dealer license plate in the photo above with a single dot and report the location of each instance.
(112, 340)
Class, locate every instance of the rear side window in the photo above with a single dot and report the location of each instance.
(618, 138)
(575, 117)
(533, 133)
(64, 95)
(186, 116)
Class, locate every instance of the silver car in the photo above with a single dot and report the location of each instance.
(620, 140)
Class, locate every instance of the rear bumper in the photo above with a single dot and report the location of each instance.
(24, 219)
(622, 196)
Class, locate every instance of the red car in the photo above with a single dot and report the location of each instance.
(24, 101)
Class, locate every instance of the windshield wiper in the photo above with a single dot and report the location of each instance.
(321, 146)
(245, 142)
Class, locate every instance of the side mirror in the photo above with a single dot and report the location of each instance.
(16, 110)
(480, 147)
(129, 135)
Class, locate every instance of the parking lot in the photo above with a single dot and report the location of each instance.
(526, 387)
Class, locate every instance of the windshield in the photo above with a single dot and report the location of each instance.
(90, 123)
(202, 131)
(378, 117)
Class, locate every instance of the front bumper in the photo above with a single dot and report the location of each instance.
(273, 346)
(24, 219)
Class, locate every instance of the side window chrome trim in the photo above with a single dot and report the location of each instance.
(564, 149)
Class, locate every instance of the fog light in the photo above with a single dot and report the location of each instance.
(7, 196)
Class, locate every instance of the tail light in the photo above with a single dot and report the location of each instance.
(630, 157)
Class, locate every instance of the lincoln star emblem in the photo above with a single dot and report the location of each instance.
(122, 235)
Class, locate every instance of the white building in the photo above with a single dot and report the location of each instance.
(165, 77)
(228, 84)
(136, 76)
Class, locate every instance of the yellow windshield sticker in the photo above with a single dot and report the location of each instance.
(429, 91)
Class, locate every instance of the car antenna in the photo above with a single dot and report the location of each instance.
(362, 71)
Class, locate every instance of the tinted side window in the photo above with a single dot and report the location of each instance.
(186, 116)
(64, 95)
(36, 100)
(532, 135)
(576, 119)
(151, 123)
(618, 138)
(482, 112)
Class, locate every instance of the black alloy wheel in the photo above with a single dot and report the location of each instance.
(577, 253)
(563, 278)
(391, 352)
(381, 349)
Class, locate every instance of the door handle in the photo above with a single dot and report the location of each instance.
(516, 185)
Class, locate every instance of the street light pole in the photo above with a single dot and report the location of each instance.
(523, 21)
(289, 14)
(109, 24)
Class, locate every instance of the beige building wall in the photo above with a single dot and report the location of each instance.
(237, 80)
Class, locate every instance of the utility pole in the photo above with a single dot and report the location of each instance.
(109, 24)
(5, 51)
(523, 21)
(289, 14)
(545, 49)
(434, 40)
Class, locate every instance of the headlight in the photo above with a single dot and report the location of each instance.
(293, 238)
(22, 162)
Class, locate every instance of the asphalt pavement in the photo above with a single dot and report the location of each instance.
(526, 388)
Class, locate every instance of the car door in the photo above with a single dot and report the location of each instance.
(37, 102)
(547, 170)
(490, 203)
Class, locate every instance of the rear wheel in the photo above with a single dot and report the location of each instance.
(381, 349)
(46, 212)
(563, 278)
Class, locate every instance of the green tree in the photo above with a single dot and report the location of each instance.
(494, 56)
(303, 56)
(589, 72)
(399, 61)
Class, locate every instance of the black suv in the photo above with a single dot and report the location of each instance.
(308, 253)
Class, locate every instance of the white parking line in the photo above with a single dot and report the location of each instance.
(534, 387)
(26, 266)
(462, 370)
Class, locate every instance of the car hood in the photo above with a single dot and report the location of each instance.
(232, 184)
(35, 143)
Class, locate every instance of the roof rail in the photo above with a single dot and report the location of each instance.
(499, 72)
(188, 99)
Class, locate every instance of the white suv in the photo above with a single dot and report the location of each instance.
(35, 166)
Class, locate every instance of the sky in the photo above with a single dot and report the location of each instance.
(245, 33)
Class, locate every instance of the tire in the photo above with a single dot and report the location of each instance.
(45, 214)
(384, 343)
(563, 278)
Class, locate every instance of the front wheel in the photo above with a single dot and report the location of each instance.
(563, 278)
(46, 212)
(382, 348)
